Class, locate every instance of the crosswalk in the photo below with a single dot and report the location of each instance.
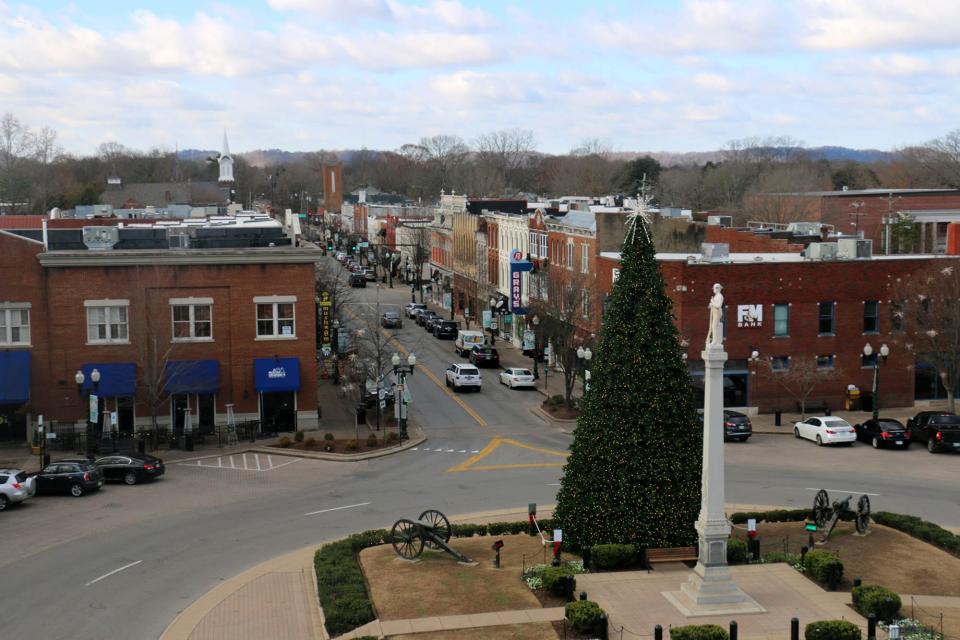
(242, 462)
(444, 450)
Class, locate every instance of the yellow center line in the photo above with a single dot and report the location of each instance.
(469, 463)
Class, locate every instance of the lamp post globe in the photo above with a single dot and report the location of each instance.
(412, 360)
(867, 350)
(78, 377)
(884, 351)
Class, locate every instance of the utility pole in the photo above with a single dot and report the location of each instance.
(856, 214)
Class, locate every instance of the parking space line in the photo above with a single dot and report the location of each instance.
(865, 493)
(349, 506)
(114, 572)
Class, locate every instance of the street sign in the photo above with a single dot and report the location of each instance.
(94, 408)
(383, 404)
(810, 526)
(518, 265)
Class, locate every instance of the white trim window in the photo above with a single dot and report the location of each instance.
(276, 317)
(570, 255)
(585, 302)
(543, 245)
(192, 319)
(15, 323)
(533, 245)
(107, 321)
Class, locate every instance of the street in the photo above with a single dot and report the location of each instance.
(122, 562)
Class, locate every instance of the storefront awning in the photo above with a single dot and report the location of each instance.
(117, 379)
(276, 374)
(14, 377)
(192, 376)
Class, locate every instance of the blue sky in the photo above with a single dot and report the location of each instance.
(642, 75)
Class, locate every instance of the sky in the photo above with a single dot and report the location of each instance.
(639, 75)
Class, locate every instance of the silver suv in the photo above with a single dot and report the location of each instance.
(463, 375)
(15, 486)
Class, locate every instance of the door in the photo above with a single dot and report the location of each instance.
(47, 479)
(278, 411)
(206, 413)
(179, 405)
(125, 419)
(13, 424)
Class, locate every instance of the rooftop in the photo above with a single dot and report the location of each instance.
(747, 258)
(863, 192)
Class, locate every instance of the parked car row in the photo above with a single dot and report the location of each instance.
(77, 476)
(939, 430)
(359, 275)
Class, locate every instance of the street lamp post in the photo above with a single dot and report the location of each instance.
(585, 355)
(875, 395)
(79, 378)
(536, 346)
(402, 371)
(754, 360)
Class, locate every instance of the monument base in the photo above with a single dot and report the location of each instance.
(711, 591)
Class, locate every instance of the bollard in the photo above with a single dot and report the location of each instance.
(888, 609)
(496, 547)
(794, 629)
(803, 551)
(776, 418)
(583, 595)
(872, 627)
(756, 549)
(603, 635)
(531, 516)
(569, 588)
(857, 582)
(658, 633)
(733, 630)
(826, 411)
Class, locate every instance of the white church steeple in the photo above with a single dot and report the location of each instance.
(226, 162)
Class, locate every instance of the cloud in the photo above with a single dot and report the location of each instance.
(880, 24)
(449, 13)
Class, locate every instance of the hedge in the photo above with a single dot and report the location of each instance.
(612, 556)
(699, 632)
(824, 567)
(919, 528)
(736, 551)
(880, 601)
(776, 515)
(584, 615)
(831, 630)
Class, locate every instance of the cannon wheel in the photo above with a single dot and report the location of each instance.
(821, 508)
(440, 525)
(863, 514)
(407, 539)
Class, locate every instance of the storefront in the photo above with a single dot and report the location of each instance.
(116, 391)
(14, 395)
(735, 383)
(276, 382)
(193, 386)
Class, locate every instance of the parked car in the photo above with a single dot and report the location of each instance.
(483, 356)
(424, 315)
(431, 322)
(131, 469)
(736, 426)
(411, 306)
(369, 274)
(465, 341)
(884, 432)
(387, 389)
(446, 329)
(15, 487)
(69, 476)
(515, 377)
(826, 430)
(391, 320)
(939, 429)
(460, 376)
(357, 281)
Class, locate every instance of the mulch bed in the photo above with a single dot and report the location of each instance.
(339, 446)
(561, 411)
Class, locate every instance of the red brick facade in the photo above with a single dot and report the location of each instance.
(742, 241)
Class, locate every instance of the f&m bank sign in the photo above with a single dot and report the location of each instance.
(749, 315)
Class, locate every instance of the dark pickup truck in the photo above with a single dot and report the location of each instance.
(939, 429)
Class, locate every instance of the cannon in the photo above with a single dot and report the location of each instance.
(827, 515)
(430, 530)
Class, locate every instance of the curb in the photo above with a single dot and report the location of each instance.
(544, 414)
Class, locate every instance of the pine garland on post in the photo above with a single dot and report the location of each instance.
(633, 475)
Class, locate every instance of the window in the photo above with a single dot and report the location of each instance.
(570, 255)
(584, 258)
(543, 245)
(780, 363)
(107, 321)
(192, 319)
(533, 245)
(781, 320)
(275, 317)
(825, 362)
(826, 323)
(585, 302)
(15, 323)
(871, 316)
(896, 316)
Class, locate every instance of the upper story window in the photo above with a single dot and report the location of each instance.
(871, 316)
(780, 363)
(533, 245)
(15, 323)
(275, 317)
(192, 319)
(781, 320)
(584, 258)
(543, 245)
(107, 321)
(570, 255)
(896, 316)
(826, 320)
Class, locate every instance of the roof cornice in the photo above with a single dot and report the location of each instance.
(178, 257)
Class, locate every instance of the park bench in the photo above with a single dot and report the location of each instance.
(815, 406)
(675, 554)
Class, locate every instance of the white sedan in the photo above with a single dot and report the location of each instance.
(826, 430)
(515, 377)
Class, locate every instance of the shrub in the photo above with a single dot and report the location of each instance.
(351, 445)
(780, 556)
(554, 579)
(284, 442)
(736, 551)
(341, 588)
(584, 615)
(612, 556)
(776, 515)
(919, 528)
(880, 601)
(823, 567)
(831, 630)
(310, 443)
(371, 441)
(699, 632)
(392, 437)
(298, 436)
(328, 437)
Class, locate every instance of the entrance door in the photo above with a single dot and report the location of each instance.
(13, 425)
(206, 413)
(179, 405)
(125, 416)
(278, 411)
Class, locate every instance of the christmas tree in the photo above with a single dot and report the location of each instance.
(633, 475)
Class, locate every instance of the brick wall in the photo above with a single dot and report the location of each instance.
(743, 241)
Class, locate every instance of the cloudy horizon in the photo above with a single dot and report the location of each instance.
(302, 75)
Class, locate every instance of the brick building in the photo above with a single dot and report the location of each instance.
(168, 329)
(787, 307)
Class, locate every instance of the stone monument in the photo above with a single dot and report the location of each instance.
(711, 589)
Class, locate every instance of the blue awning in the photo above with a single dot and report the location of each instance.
(117, 379)
(192, 376)
(14, 377)
(276, 374)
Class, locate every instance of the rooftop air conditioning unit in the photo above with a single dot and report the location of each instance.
(822, 250)
(854, 248)
(715, 251)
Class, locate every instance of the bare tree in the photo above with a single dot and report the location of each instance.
(801, 378)
(16, 146)
(768, 198)
(937, 162)
(46, 151)
(508, 151)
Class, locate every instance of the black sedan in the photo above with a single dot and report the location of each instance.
(485, 356)
(736, 426)
(423, 316)
(446, 330)
(131, 469)
(73, 477)
(885, 432)
(391, 320)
